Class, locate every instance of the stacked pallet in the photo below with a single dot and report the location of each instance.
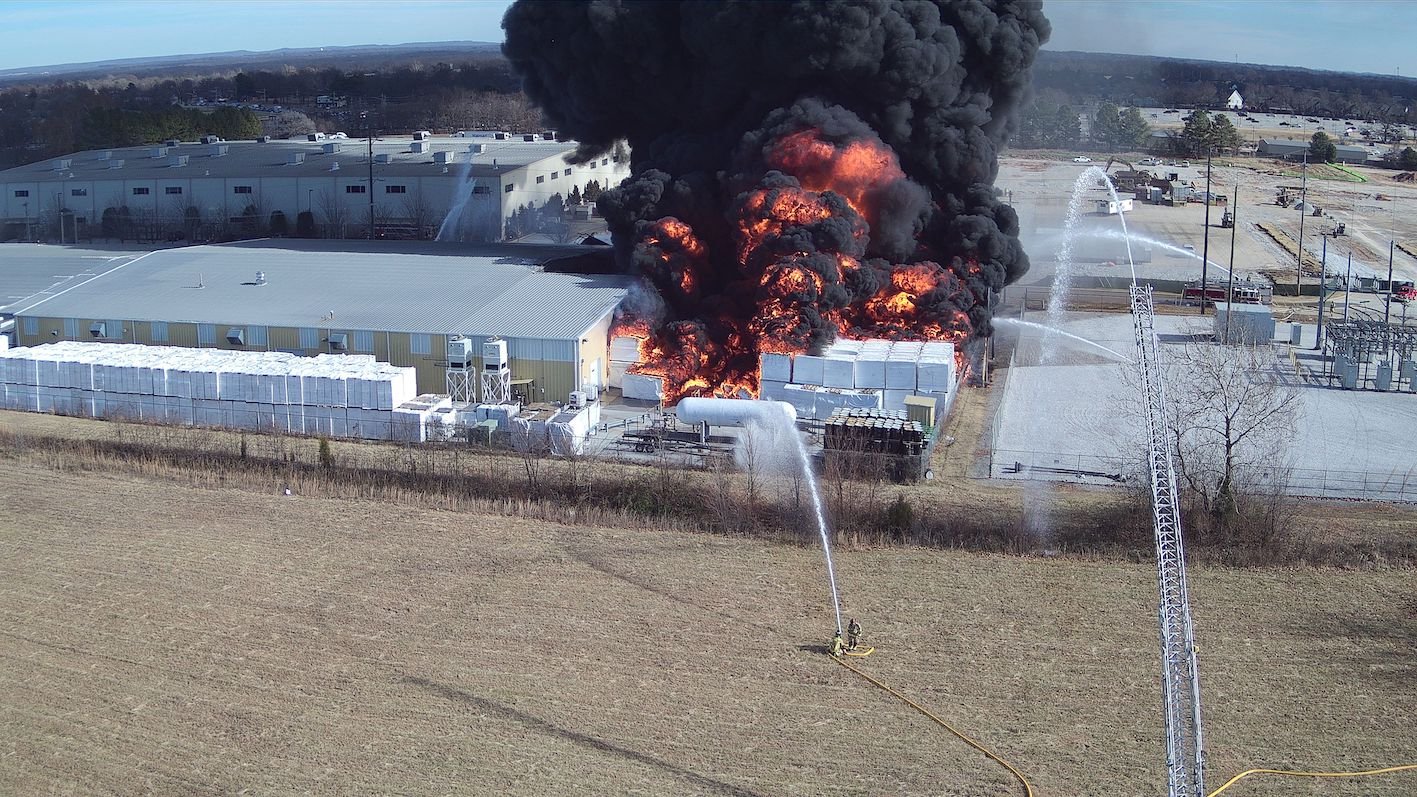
(874, 431)
(889, 370)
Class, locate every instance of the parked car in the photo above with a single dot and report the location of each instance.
(1082, 159)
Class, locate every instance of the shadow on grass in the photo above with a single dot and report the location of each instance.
(584, 740)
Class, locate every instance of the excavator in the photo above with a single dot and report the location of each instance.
(1129, 179)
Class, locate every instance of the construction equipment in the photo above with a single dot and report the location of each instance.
(1129, 179)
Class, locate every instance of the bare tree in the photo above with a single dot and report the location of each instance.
(1232, 416)
(333, 213)
(421, 214)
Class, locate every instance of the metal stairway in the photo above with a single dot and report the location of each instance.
(1185, 753)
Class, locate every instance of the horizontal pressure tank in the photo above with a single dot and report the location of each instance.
(732, 412)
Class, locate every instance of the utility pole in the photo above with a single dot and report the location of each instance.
(1323, 281)
(1347, 286)
(1205, 245)
(1230, 288)
(1304, 205)
(369, 132)
(1387, 306)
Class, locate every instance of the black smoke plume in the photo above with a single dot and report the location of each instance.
(704, 91)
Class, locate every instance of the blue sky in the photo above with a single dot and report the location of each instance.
(1348, 35)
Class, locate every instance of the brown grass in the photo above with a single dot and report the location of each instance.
(173, 639)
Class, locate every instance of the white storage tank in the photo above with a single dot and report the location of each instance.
(732, 412)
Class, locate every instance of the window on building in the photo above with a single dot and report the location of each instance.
(554, 175)
(159, 331)
(78, 192)
(541, 178)
(396, 189)
(420, 344)
(241, 189)
(21, 194)
(206, 334)
(507, 189)
(604, 161)
(255, 336)
(173, 189)
(568, 172)
(363, 340)
(482, 189)
(140, 192)
(31, 325)
(354, 189)
(309, 338)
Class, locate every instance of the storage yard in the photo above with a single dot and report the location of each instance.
(175, 639)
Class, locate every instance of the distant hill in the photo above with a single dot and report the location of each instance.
(354, 56)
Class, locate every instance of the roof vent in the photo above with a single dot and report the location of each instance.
(159, 152)
(236, 336)
(63, 163)
(295, 159)
(529, 137)
(260, 278)
(97, 329)
(263, 139)
(176, 161)
(334, 166)
(339, 341)
(115, 163)
(171, 142)
(210, 139)
(106, 155)
(445, 157)
(219, 150)
(418, 146)
(422, 135)
(477, 149)
(330, 148)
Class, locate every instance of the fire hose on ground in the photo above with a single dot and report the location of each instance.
(1028, 788)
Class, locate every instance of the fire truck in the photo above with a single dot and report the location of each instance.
(1246, 292)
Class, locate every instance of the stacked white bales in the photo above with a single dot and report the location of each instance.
(335, 395)
(859, 374)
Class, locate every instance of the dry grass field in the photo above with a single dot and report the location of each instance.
(168, 639)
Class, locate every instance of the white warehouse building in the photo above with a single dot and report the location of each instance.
(231, 189)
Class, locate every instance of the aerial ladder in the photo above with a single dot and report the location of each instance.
(1180, 684)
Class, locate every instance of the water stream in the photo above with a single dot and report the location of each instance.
(1014, 322)
(462, 194)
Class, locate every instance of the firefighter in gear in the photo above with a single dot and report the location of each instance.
(853, 634)
(836, 645)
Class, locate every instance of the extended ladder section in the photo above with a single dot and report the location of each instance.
(1185, 755)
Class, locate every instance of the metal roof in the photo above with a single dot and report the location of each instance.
(271, 159)
(380, 286)
(31, 272)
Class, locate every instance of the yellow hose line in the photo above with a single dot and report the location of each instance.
(1364, 773)
(1028, 789)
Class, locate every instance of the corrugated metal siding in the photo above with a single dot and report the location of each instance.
(283, 338)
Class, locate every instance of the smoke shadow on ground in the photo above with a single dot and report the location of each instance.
(1386, 637)
(614, 569)
(550, 729)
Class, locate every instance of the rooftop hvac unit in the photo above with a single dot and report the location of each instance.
(502, 136)
(98, 329)
(445, 157)
(330, 148)
(177, 160)
(422, 135)
(106, 155)
(339, 341)
(529, 137)
(459, 353)
(115, 163)
(171, 142)
(263, 139)
(549, 135)
(63, 163)
(159, 152)
(236, 336)
(419, 146)
(315, 137)
(477, 149)
(295, 159)
(494, 355)
(383, 157)
(210, 139)
(219, 150)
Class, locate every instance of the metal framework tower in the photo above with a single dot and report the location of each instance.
(1180, 684)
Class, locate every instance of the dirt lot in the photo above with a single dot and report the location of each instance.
(174, 640)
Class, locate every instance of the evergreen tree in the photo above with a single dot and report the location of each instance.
(575, 198)
(1132, 128)
(1198, 136)
(1322, 148)
(1224, 136)
(1107, 125)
